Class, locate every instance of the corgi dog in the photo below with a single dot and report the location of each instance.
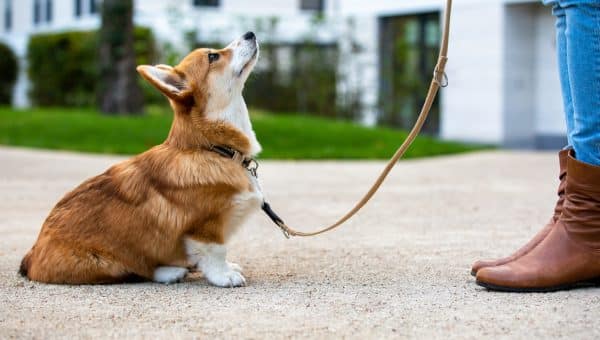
(173, 207)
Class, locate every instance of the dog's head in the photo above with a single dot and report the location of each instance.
(207, 78)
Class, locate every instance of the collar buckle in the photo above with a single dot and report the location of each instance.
(251, 165)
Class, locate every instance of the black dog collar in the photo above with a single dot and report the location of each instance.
(248, 163)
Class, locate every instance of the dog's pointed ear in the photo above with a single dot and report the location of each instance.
(166, 80)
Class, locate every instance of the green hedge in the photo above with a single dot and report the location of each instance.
(63, 67)
(9, 69)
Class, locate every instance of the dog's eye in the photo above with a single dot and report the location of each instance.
(212, 57)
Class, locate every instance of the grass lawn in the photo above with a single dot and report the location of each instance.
(282, 136)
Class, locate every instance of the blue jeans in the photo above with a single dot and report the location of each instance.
(578, 45)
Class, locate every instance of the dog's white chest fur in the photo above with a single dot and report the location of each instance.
(244, 204)
(247, 202)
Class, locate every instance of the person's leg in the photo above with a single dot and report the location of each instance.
(563, 69)
(569, 256)
(561, 42)
(583, 63)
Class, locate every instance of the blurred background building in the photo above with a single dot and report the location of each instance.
(365, 60)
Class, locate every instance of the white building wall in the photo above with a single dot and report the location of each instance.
(533, 111)
(472, 106)
(264, 7)
(549, 113)
(519, 75)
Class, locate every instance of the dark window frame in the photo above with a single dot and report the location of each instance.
(37, 12)
(93, 7)
(43, 11)
(49, 10)
(206, 3)
(406, 60)
(312, 5)
(78, 8)
(8, 13)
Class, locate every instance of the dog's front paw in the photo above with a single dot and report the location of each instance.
(228, 278)
(169, 274)
(234, 266)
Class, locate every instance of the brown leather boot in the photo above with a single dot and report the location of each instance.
(562, 160)
(569, 256)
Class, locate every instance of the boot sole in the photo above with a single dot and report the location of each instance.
(581, 284)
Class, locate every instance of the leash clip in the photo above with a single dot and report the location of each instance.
(276, 219)
(284, 230)
(441, 78)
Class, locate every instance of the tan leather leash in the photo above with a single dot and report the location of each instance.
(439, 80)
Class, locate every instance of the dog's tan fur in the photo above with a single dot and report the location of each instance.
(134, 217)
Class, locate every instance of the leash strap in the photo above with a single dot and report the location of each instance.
(439, 80)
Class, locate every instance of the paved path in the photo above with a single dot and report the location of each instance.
(400, 269)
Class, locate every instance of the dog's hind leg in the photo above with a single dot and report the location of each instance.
(71, 265)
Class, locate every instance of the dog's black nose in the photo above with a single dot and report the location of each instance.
(249, 36)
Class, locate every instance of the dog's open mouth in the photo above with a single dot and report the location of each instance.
(248, 62)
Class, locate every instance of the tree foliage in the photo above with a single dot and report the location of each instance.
(63, 67)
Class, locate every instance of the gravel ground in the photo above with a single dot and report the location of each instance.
(400, 269)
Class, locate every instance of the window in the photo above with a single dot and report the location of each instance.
(311, 5)
(37, 11)
(7, 15)
(78, 8)
(48, 10)
(408, 54)
(206, 3)
(83, 7)
(42, 11)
